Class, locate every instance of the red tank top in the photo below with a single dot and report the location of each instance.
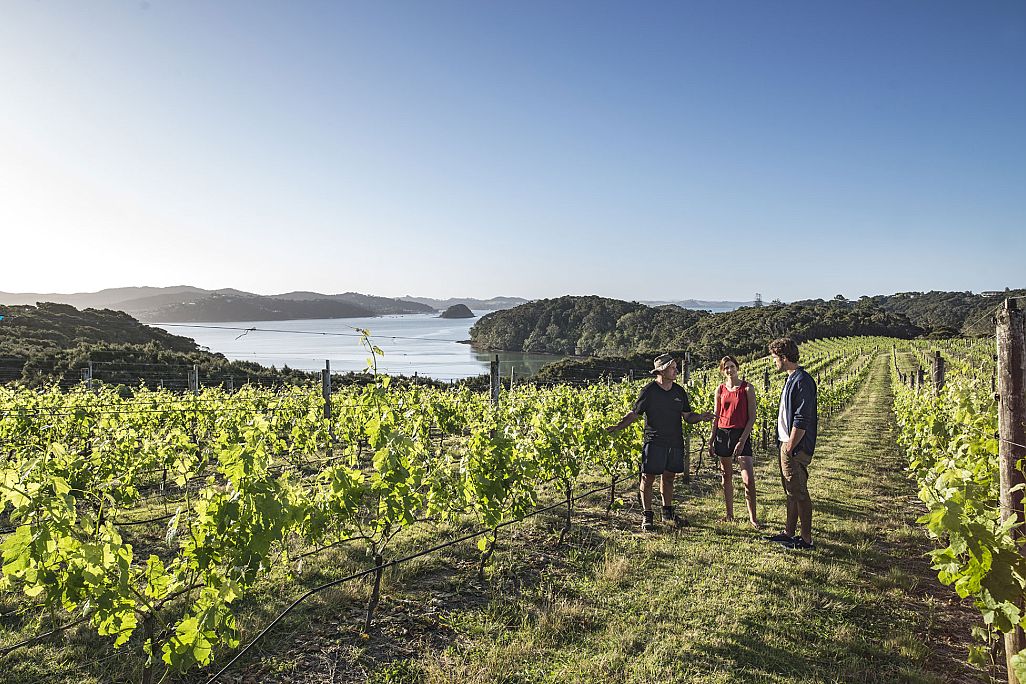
(733, 406)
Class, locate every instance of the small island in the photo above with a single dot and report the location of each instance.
(457, 311)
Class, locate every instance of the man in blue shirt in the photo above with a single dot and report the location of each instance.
(796, 433)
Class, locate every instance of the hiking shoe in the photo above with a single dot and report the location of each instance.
(647, 521)
(798, 543)
(670, 516)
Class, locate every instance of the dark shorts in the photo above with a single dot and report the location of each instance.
(726, 440)
(656, 460)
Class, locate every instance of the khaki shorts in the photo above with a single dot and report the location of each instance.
(794, 475)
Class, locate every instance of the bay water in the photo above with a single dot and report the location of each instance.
(413, 343)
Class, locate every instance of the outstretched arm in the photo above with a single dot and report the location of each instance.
(627, 419)
(716, 412)
(692, 418)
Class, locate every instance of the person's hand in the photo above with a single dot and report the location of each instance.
(707, 416)
(739, 448)
(611, 429)
(785, 449)
(712, 448)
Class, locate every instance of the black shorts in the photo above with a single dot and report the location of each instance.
(726, 440)
(656, 460)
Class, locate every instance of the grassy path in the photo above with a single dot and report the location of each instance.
(716, 603)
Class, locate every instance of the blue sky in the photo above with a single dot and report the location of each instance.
(637, 151)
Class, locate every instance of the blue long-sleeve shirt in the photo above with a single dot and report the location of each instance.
(798, 408)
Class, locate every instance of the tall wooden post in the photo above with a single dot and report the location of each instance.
(920, 378)
(685, 374)
(326, 388)
(765, 394)
(326, 393)
(938, 372)
(194, 379)
(1011, 385)
(493, 380)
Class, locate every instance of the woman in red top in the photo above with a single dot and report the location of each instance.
(735, 417)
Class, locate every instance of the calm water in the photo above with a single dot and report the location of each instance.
(415, 343)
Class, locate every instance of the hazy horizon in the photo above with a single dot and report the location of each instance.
(765, 298)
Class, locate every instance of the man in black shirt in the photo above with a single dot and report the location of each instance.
(664, 404)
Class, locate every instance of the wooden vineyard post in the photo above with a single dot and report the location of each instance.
(194, 379)
(685, 373)
(938, 372)
(1011, 385)
(765, 423)
(326, 393)
(493, 380)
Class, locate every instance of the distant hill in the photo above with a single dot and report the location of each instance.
(227, 309)
(192, 304)
(457, 311)
(493, 304)
(703, 304)
(378, 305)
(104, 299)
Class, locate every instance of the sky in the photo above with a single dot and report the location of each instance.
(640, 151)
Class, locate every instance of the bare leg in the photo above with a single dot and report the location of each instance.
(727, 480)
(748, 478)
(667, 489)
(646, 491)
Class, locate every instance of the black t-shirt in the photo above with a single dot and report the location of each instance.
(663, 410)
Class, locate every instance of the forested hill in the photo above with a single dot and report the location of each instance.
(610, 327)
(946, 314)
(192, 304)
(584, 325)
(52, 342)
(49, 326)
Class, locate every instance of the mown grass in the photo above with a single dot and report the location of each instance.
(716, 603)
(713, 603)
